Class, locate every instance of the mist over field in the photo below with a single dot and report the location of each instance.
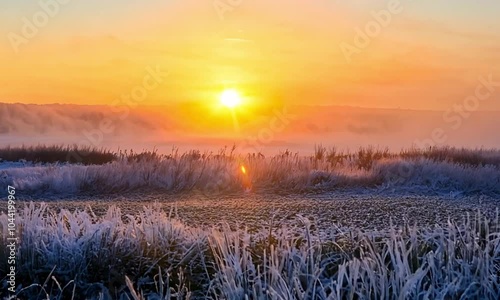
(296, 128)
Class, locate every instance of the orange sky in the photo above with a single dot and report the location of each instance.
(428, 56)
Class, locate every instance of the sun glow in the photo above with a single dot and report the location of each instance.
(230, 98)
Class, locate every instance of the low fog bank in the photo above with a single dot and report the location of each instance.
(296, 128)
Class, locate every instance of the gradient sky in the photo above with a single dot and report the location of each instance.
(430, 56)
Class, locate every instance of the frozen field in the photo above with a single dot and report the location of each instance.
(255, 210)
(369, 225)
(321, 246)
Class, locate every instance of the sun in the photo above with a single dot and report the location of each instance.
(230, 98)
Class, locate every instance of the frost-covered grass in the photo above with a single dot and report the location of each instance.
(364, 157)
(431, 171)
(155, 256)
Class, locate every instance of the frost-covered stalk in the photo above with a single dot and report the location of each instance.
(437, 171)
(157, 256)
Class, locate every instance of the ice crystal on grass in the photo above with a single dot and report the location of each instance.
(155, 256)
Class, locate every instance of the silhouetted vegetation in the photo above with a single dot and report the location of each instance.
(58, 154)
(363, 158)
(464, 156)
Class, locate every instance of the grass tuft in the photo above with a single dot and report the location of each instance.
(76, 255)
